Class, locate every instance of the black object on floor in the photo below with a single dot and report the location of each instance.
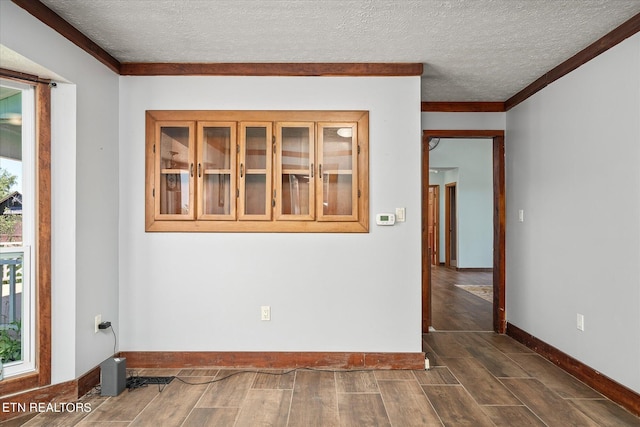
(137, 382)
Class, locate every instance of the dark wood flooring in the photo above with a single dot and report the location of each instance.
(454, 309)
(476, 379)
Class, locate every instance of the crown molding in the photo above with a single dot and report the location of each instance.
(463, 107)
(57, 23)
(624, 31)
(270, 69)
(462, 133)
(611, 39)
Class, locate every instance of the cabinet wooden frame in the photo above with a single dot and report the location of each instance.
(171, 175)
(249, 171)
(292, 203)
(208, 168)
(329, 180)
(239, 220)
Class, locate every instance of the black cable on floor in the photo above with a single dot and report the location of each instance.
(215, 380)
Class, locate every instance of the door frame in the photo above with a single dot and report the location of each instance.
(447, 220)
(499, 222)
(435, 254)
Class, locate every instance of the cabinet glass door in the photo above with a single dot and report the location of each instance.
(337, 192)
(295, 168)
(217, 170)
(256, 157)
(174, 186)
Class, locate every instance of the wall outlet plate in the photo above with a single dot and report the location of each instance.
(98, 320)
(580, 321)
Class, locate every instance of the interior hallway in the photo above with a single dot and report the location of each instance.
(454, 309)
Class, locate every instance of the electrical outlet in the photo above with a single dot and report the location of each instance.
(265, 312)
(98, 320)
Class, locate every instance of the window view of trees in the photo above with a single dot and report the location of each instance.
(10, 208)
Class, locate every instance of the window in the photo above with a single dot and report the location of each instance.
(288, 171)
(33, 254)
(17, 227)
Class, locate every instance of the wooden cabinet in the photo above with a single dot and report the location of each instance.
(271, 171)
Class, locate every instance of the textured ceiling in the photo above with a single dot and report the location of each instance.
(473, 50)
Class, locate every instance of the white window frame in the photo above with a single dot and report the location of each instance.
(28, 327)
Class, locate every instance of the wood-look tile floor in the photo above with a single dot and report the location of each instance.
(454, 309)
(476, 379)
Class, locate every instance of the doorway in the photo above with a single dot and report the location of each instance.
(499, 220)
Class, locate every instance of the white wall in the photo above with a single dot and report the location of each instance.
(473, 160)
(84, 191)
(578, 250)
(458, 121)
(327, 292)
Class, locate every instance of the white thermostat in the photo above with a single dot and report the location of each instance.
(385, 219)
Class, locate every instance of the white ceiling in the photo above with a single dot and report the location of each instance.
(473, 50)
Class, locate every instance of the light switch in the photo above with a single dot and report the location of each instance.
(400, 214)
(521, 215)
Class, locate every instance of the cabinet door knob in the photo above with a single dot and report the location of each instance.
(241, 170)
(320, 171)
(199, 170)
(311, 170)
(191, 170)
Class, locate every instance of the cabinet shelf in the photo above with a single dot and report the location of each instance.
(295, 167)
(173, 171)
(295, 171)
(337, 172)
